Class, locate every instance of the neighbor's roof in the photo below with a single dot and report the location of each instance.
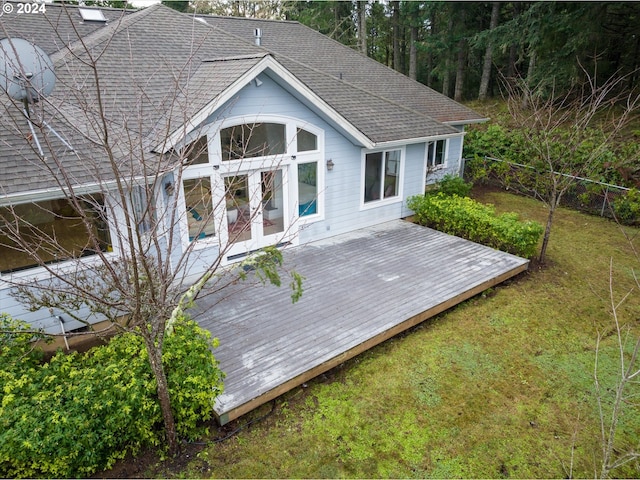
(156, 68)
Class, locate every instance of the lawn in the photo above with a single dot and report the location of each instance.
(500, 386)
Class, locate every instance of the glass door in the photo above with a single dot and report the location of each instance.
(272, 202)
(239, 213)
(256, 204)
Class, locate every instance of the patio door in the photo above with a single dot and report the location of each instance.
(256, 204)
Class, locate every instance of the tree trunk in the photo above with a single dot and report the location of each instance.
(155, 359)
(513, 48)
(547, 232)
(397, 57)
(460, 70)
(461, 62)
(362, 26)
(336, 22)
(446, 78)
(413, 54)
(488, 54)
(531, 67)
(430, 33)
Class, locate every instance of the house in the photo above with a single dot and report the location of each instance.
(257, 132)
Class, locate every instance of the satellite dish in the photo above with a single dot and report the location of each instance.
(26, 72)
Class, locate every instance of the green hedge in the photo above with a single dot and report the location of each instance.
(466, 218)
(79, 413)
(452, 185)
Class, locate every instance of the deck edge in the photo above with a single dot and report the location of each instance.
(236, 412)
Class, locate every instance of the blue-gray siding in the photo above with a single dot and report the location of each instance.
(343, 187)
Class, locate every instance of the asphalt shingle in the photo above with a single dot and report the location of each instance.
(142, 75)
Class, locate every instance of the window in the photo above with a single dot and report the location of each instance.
(197, 153)
(252, 140)
(307, 189)
(306, 141)
(381, 175)
(436, 154)
(54, 230)
(199, 205)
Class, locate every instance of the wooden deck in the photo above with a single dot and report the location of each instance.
(360, 289)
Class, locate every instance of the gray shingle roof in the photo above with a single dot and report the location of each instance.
(155, 68)
(292, 42)
(61, 25)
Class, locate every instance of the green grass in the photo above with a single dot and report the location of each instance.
(500, 386)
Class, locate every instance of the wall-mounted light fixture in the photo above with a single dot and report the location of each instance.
(169, 188)
(330, 164)
(258, 82)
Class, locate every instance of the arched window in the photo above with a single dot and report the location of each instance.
(197, 152)
(252, 140)
(306, 141)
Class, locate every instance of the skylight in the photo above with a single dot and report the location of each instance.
(91, 15)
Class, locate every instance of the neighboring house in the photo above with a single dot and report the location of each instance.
(286, 135)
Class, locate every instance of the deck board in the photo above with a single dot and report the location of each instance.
(359, 289)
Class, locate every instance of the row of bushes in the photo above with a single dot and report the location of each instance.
(444, 209)
(616, 165)
(78, 413)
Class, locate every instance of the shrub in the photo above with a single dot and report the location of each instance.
(452, 185)
(627, 207)
(17, 348)
(466, 218)
(78, 413)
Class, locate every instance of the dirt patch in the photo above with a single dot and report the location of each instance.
(150, 463)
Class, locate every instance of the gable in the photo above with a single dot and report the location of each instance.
(297, 46)
(266, 67)
(177, 71)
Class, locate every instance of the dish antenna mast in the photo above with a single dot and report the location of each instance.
(27, 75)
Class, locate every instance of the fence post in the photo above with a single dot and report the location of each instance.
(604, 201)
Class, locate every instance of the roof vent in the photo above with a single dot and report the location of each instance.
(92, 15)
(257, 33)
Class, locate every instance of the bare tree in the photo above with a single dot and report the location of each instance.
(121, 201)
(565, 136)
(614, 401)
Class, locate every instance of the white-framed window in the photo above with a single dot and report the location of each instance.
(306, 141)
(233, 149)
(308, 189)
(308, 173)
(381, 172)
(55, 230)
(198, 200)
(199, 182)
(251, 140)
(437, 154)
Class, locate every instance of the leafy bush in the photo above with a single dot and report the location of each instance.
(17, 347)
(466, 218)
(492, 140)
(78, 413)
(627, 207)
(452, 185)
(615, 164)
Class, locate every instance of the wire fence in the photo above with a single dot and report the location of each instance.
(585, 195)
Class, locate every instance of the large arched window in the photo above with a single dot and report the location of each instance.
(252, 140)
